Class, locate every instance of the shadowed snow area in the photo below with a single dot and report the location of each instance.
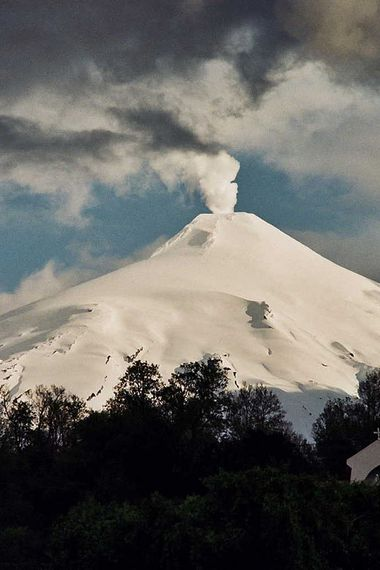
(199, 239)
(16, 338)
(227, 284)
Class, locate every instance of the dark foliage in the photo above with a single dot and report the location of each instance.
(182, 474)
(139, 388)
(195, 398)
(347, 425)
(259, 518)
(254, 408)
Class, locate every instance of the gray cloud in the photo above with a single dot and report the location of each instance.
(92, 53)
(96, 49)
(57, 42)
(26, 140)
(61, 43)
(162, 131)
(343, 33)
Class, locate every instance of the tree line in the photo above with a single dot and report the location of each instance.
(183, 474)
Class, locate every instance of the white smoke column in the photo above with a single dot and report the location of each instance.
(216, 175)
(212, 174)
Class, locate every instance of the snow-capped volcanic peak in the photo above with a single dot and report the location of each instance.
(227, 284)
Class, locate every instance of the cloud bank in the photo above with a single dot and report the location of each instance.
(94, 91)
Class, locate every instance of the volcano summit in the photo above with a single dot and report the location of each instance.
(228, 284)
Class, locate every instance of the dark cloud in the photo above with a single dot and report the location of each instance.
(58, 42)
(53, 42)
(345, 34)
(161, 131)
(24, 140)
(75, 47)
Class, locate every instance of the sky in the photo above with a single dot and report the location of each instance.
(121, 120)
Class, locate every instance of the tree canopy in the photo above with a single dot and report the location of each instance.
(184, 472)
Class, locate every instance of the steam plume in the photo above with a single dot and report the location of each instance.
(211, 174)
(216, 180)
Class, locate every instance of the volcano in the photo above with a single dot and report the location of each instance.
(230, 284)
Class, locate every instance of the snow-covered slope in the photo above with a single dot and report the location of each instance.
(227, 284)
